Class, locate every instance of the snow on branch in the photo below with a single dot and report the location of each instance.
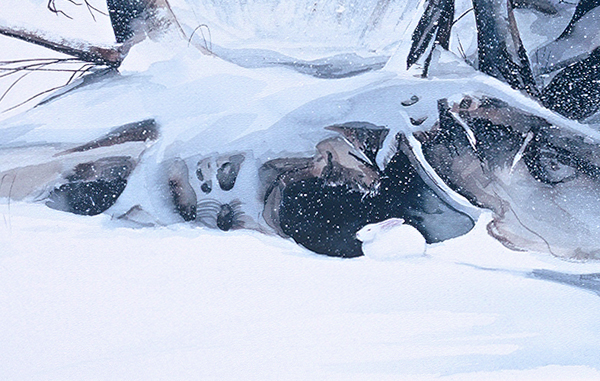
(98, 55)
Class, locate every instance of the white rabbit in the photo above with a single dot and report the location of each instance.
(391, 239)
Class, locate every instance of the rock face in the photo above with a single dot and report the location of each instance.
(541, 182)
(86, 179)
(93, 187)
(323, 213)
(206, 190)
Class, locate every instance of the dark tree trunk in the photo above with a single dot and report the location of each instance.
(583, 7)
(133, 20)
(543, 6)
(437, 20)
(575, 91)
(123, 15)
(500, 50)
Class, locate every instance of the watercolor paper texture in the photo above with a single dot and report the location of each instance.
(277, 189)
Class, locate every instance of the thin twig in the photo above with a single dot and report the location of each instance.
(52, 7)
(58, 12)
(87, 67)
(461, 16)
(32, 98)
(91, 8)
(461, 50)
(33, 67)
(43, 66)
(13, 85)
(37, 59)
(42, 69)
(203, 37)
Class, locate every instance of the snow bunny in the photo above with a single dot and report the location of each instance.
(391, 239)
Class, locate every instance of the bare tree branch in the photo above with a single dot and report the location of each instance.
(500, 51)
(8, 67)
(110, 56)
(43, 65)
(437, 21)
(13, 85)
(29, 66)
(33, 97)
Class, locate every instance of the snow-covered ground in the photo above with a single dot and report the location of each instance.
(87, 298)
(83, 299)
